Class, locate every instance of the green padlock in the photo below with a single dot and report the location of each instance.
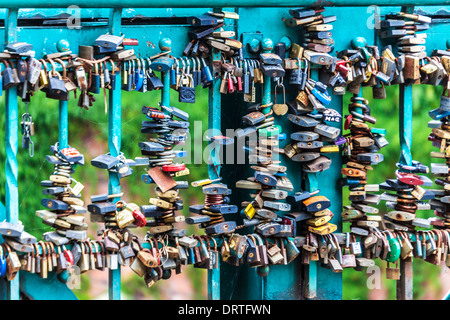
(394, 245)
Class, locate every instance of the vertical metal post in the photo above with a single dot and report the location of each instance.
(405, 115)
(405, 284)
(283, 281)
(11, 145)
(63, 140)
(310, 280)
(114, 143)
(310, 270)
(267, 46)
(165, 92)
(214, 117)
(406, 106)
(323, 283)
(165, 45)
(214, 283)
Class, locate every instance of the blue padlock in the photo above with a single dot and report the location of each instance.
(134, 76)
(180, 154)
(280, 174)
(173, 73)
(145, 75)
(203, 20)
(95, 84)
(191, 256)
(138, 78)
(281, 136)
(146, 179)
(438, 114)
(162, 64)
(321, 96)
(207, 78)
(351, 182)
(318, 85)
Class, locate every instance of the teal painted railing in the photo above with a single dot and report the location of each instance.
(288, 282)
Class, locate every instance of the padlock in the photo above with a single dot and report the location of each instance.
(153, 82)
(95, 80)
(207, 78)
(10, 77)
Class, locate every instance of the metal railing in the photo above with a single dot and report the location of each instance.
(313, 274)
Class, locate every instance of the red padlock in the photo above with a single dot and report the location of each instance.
(230, 85)
(222, 140)
(68, 256)
(130, 42)
(239, 84)
(342, 68)
(70, 152)
(287, 221)
(139, 218)
(173, 167)
(151, 108)
(156, 114)
(409, 178)
(348, 120)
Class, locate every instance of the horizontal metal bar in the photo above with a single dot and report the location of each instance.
(210, 4)
(299, 241)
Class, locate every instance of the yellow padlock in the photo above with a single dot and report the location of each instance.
(249, 211)
(323, 230)
(329, 149)
(43, 80)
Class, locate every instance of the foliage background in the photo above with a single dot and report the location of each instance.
(88, 132)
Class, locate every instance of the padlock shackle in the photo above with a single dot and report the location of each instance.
(53, 71)
(63, 67)
(138, 62)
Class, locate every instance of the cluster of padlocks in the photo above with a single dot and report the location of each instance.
(171, 126)
(361, 145)
(286, 223)
(439, 136)
(66, 212)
